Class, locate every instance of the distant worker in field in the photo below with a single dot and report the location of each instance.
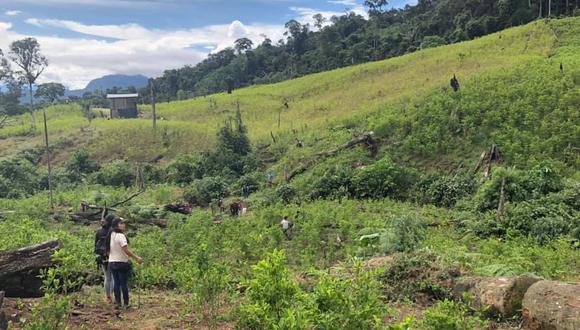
(299, 143)
(455, 84)
(235, 208)
(286, 226)
(561, 68)
(119, 255)
(270, 178)
(102, 256)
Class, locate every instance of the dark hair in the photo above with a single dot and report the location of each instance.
(114, 228)
(108, 221)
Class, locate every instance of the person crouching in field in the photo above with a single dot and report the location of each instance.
(119, 254)
(102, 256)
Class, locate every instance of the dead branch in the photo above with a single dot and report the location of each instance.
(367, 139)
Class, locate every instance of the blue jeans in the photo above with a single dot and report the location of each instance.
(120, 271)
(109, 283)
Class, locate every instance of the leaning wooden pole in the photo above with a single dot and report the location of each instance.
(152, 96)
(48, 159)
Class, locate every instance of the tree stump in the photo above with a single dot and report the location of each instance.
(19, 269)
(552, 305)
(502, 296)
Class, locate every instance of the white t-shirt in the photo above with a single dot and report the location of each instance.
(116, 253)
(285, 224)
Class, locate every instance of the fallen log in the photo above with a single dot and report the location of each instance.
(178, 208)
(367, 139)
(161, 223)
(19, 269)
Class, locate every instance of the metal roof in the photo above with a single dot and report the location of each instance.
(122, 96)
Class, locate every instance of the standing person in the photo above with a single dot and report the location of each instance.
(270, 179)
(119, 255)
(102, 256)
(286, 226)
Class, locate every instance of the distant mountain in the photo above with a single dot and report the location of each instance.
(110, 81)
(116, 80)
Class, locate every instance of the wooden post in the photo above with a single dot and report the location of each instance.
(3, 320)
(152, 96)
(48, 159)
(501, 203)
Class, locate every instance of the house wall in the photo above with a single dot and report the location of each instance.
(124, 108)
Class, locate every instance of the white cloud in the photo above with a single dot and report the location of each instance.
(12, 12)
(305, 13)
(129, 48)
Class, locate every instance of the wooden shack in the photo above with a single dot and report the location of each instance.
(123, 105)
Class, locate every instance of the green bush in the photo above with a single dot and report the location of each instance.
(184, 169)
(381, 179)
(81, 164)
(118, 173)
(203, 192)
(19, 177)
(445, 191)
(287, 193)
(450, 315)
(271, 291)
(351, 303)
(335, 183)
(520, 185)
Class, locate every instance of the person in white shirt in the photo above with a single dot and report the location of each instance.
(286, 225)
(119, 255)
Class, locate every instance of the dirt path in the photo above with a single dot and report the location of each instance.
(150, 310)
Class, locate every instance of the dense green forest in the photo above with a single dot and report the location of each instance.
(351, 39)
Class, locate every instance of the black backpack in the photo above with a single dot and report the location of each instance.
(101, 244)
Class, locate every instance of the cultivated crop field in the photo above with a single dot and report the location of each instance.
(480, 183)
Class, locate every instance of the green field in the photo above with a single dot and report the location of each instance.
(315, 102)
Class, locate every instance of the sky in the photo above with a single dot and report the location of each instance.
(87, 39)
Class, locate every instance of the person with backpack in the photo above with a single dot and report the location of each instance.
(102, 256)
(119, 255)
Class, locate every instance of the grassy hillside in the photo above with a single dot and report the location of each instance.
(379, 239)
(315, 101)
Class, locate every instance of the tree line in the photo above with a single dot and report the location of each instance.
(351, 39)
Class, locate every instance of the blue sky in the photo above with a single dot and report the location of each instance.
(86, 39)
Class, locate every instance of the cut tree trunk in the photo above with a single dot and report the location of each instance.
(19, 269)
(552, 305)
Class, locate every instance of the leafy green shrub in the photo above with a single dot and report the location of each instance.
(81, 164)
(351, 303)
(546, 218)
(204, 191)
(445, 191)
(286, 193)
(520, 185)
(184, 169)
(270, 292)
(117, 173)
(381, 179)
(19, 177)
(409, 232)
(335, 183)
(450, 315)
(432, 41)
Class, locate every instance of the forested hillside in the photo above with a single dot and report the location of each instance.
(415, 203)
(352, 39)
